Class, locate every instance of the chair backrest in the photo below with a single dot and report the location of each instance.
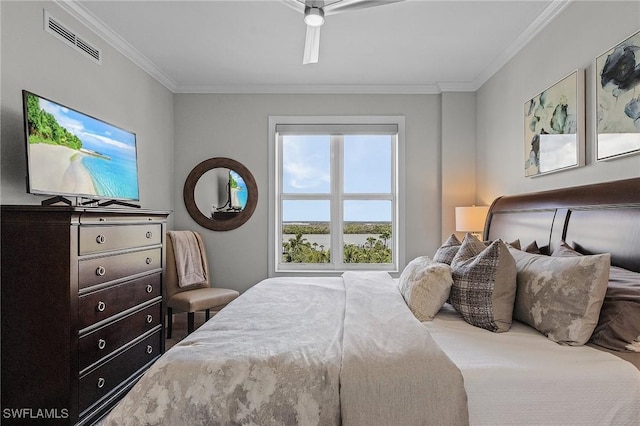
(171, 274)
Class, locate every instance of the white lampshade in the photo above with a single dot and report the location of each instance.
(471, 219)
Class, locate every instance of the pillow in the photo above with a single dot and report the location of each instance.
(484, 284)
(533, 248)
(425, 286)
(561, 296)
(515, 244)
(565, 250)
(447, 251)
(619, 323)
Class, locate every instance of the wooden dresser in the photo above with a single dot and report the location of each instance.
(82, 308)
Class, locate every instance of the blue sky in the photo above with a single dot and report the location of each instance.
(95, 135)
(307, 165)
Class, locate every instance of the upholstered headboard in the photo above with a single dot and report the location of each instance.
(598, 218)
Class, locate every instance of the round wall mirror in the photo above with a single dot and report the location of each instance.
(220, 194)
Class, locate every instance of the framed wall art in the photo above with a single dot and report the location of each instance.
(554, 127)
(618, 100)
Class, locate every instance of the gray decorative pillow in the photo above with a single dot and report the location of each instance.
(515, 244)
(447, 251)
(425, 286)
(619, 323)
(533, 248)
(561, 296)
(565, 250)
(484, 284)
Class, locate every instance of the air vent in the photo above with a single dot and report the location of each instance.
(54, 27)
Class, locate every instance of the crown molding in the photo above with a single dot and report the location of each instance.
(461, 86)
(80, 13)
(355, 89)
(547, 15)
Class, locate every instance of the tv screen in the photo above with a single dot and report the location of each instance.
(72, 154)
(237, 191)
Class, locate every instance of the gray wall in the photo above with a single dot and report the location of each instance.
(461, 148)
(458, 157)
(176, 132)
(117, 91)
(235, 126)
(573, 40)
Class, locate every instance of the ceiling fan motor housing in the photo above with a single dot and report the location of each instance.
(313, 16)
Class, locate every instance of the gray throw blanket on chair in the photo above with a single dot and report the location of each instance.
(188, 254)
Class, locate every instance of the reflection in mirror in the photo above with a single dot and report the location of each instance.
(221, 191)
(220, 194)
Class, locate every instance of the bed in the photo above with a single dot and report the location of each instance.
(353, 350)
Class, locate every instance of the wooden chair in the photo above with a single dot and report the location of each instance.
(193, 298)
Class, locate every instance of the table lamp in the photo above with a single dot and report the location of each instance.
(471, 219)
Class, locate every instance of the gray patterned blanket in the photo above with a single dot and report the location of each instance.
(303, 351)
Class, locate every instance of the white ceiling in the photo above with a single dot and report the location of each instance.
(224, 46)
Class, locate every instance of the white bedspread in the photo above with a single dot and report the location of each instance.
(392, 372)
(303, 351)
(271, 357)
(521, 377)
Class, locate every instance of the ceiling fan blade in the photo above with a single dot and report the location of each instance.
(295, 5)
(350, 5)
(311, 45)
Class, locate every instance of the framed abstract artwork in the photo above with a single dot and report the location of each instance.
(618, 100)
(554, 127)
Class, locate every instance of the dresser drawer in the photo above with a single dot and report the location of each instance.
(98, 239)
(102, 342)
(92, 217)
(100, 270)
(99, 382)
(102, 304)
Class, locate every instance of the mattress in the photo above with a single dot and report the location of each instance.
(520, 377)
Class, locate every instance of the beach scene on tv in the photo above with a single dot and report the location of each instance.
(237, 191)
(73, 154)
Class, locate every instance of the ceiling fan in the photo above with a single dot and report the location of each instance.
(314, 12)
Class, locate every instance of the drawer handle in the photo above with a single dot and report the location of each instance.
(149, 260)
(101, 306)
(149, 319)
(149, 234)
(149, 349)
(149, 288)
(101, 383)
(101, 239)
(100, 271)
(102, 344)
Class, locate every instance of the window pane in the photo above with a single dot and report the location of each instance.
(367, 232)
(367, 163)
(306, 164)
(305, 231)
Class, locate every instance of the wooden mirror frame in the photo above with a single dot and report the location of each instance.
(190, 201)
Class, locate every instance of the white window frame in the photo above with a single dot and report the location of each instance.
(276, 267)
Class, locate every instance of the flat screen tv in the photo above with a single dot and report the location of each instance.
(71, 154)
(238, 192)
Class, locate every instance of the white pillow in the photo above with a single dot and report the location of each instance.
(425, 286)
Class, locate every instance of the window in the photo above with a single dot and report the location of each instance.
(335, 200)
